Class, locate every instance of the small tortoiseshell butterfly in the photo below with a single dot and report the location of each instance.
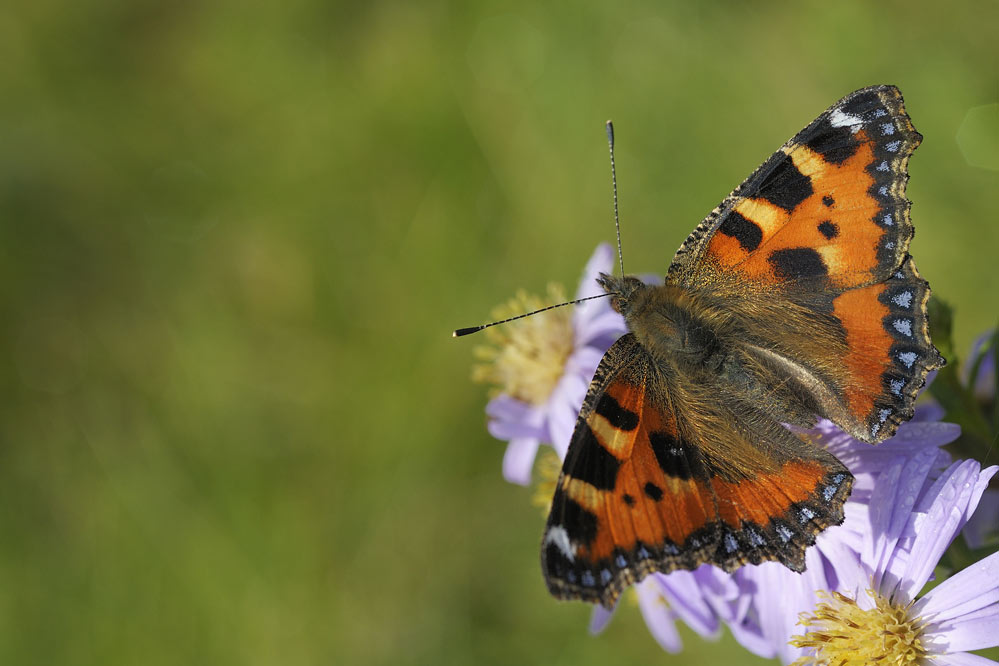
(794, 299)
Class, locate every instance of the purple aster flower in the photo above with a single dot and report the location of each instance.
(543, 366)
(659, 617)
(761, 603)
(873, 614)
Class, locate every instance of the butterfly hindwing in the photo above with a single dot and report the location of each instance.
(643, 489)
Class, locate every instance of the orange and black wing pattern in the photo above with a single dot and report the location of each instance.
(641, 490)
(825, 222)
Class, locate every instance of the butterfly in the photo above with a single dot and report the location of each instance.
(795, 299)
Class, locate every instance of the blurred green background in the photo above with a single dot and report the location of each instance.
(235, 237)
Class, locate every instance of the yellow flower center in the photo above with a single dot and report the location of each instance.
(549, 467)
(526, 357)
(842, 633)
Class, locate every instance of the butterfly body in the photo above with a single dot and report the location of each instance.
(794, 300)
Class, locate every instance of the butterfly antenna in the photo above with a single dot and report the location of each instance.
(475, 329)
(617, 223)
(620, 255)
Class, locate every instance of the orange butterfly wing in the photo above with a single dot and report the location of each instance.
(806, 267)
(642, 490)
(825, 221)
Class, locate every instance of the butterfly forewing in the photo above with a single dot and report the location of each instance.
(825, 222)
(829, 203)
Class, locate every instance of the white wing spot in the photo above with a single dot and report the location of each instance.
(887, 219)
(558, 536)
(731, 545)
(784, 533)
(883, 191)
(883, 414)
(890, 245)
(880, 113)
(903, 326)
(839, 119)
(896, 386)
(887, 129)
(805, 514)
(903, 299)
(874, 429)
(907, 358)
(883, 166)
(892, 146)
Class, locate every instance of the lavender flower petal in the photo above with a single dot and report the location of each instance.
(984, 520)
(518, 460)
(659, 617)
(960, 659)
(563, 408)
(601, 261)
(979, 490)
(585, 361)
(605, 325)
(967, 591)
(683, 593)
(513, 429)
(509, 408)
(891, 505)
(750, 636)
(940, 523)
(928, 411)
(971, 635)
(775, 620)
(600, 617)
(861, 457)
